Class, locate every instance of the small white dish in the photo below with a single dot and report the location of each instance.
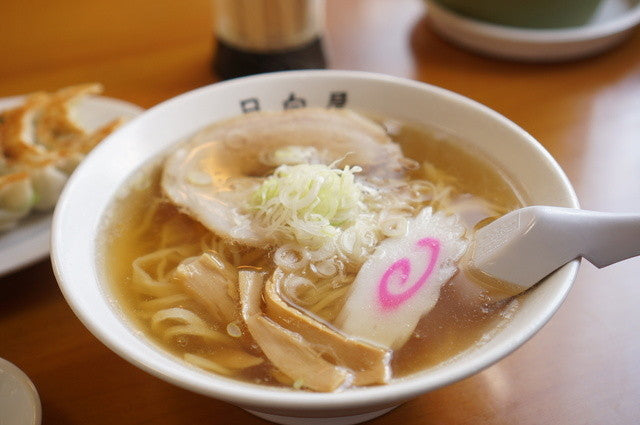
(29, 241)
(19, 400)
(611, 24)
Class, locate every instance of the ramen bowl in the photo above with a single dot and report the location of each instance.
(94, 185)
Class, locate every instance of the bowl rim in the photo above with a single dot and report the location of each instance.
(257, 396)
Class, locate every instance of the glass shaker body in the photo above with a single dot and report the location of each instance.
(255, 36)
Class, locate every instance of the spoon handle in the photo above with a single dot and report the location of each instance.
(608, 237)
(527, 244)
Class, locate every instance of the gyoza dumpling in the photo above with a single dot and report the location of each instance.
(16, 199)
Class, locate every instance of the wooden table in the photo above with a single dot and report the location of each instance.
(581, 368)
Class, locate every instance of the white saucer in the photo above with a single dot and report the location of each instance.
(612, 23)
(29, 241)
(19, 400)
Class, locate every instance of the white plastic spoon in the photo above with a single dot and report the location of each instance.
(525, 245)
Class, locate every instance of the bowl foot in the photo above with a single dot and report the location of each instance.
(339, 420)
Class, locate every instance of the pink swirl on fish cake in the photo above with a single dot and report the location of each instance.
(402, 267)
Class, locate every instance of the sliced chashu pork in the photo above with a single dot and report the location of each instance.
(288, 351)
(212, 176)
(370, 364)
(207, 279)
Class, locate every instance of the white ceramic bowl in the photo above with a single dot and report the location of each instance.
(90, 190)
(612, 23)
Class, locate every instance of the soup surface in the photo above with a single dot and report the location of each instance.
(163, 260)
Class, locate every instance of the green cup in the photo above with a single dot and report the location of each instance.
(526, 13)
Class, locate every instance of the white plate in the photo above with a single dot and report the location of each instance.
(29, 241)
(612, 23)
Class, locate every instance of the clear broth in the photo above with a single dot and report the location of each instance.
(445, 332)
